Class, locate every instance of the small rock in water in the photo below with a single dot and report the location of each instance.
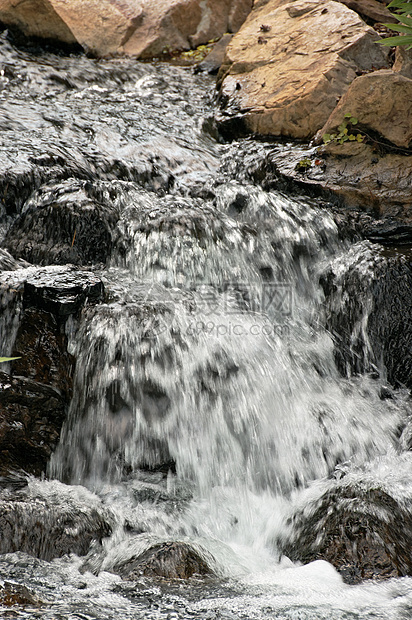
(172, 560)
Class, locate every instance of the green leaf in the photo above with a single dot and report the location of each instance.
(8, 359)
(359, 137)
(342, 127)
(405, 20)
(400, 28)
(353, 120)
(348, 115)
(352, 137)
(326, 138)
(401, 40)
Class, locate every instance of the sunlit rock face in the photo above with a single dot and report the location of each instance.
(290, 63)
(143, 28)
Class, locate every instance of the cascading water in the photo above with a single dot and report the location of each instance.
(206, 397)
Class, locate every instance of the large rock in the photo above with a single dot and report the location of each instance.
(49, 519)
(35, 304)
(368, 311)
(172, 560)
(359, 175)
(31, 415)
(382, 103)
(142, 28)
(346, 175)
(100, 26)
(362, 524)
(289, 65)
(63, 223)
(59, 290)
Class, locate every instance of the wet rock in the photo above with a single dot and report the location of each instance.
(12, 594)
(42, 348)
(36, 303)
(31, 416)
(63, 224)
(59, 290)
(360, 525)
(360, 175)
(368, 308)
(283, 76)
(171, 560)
(49, 520)
(140, 29)
(382, 103)
(366, 188)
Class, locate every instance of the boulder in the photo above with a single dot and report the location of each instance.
(368, 311)
(360, 524)
(63, 223)
(59, 290)
(171, 560)
(100, 27)
(49, 519)
(184, 24)
(35, 304)
(360, 175)
(289, 65)
(31, 416)
(382, 103)
(139, 28)
(365, 188)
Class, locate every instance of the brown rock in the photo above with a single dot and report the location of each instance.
(184, 24)
(136, 27)
(290, 63)
(403, 61)
(12, 594)
(382, 103)
(376, 11)
(354, 174)
(100, 26)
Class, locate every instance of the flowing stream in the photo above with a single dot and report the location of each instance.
(207, 404)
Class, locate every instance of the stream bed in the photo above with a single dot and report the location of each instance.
(208, 406)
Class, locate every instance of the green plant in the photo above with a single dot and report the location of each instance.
(8, 359)
(303, 165)
(344, 132)
(403, 15)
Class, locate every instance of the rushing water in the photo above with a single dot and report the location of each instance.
(207, 404)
